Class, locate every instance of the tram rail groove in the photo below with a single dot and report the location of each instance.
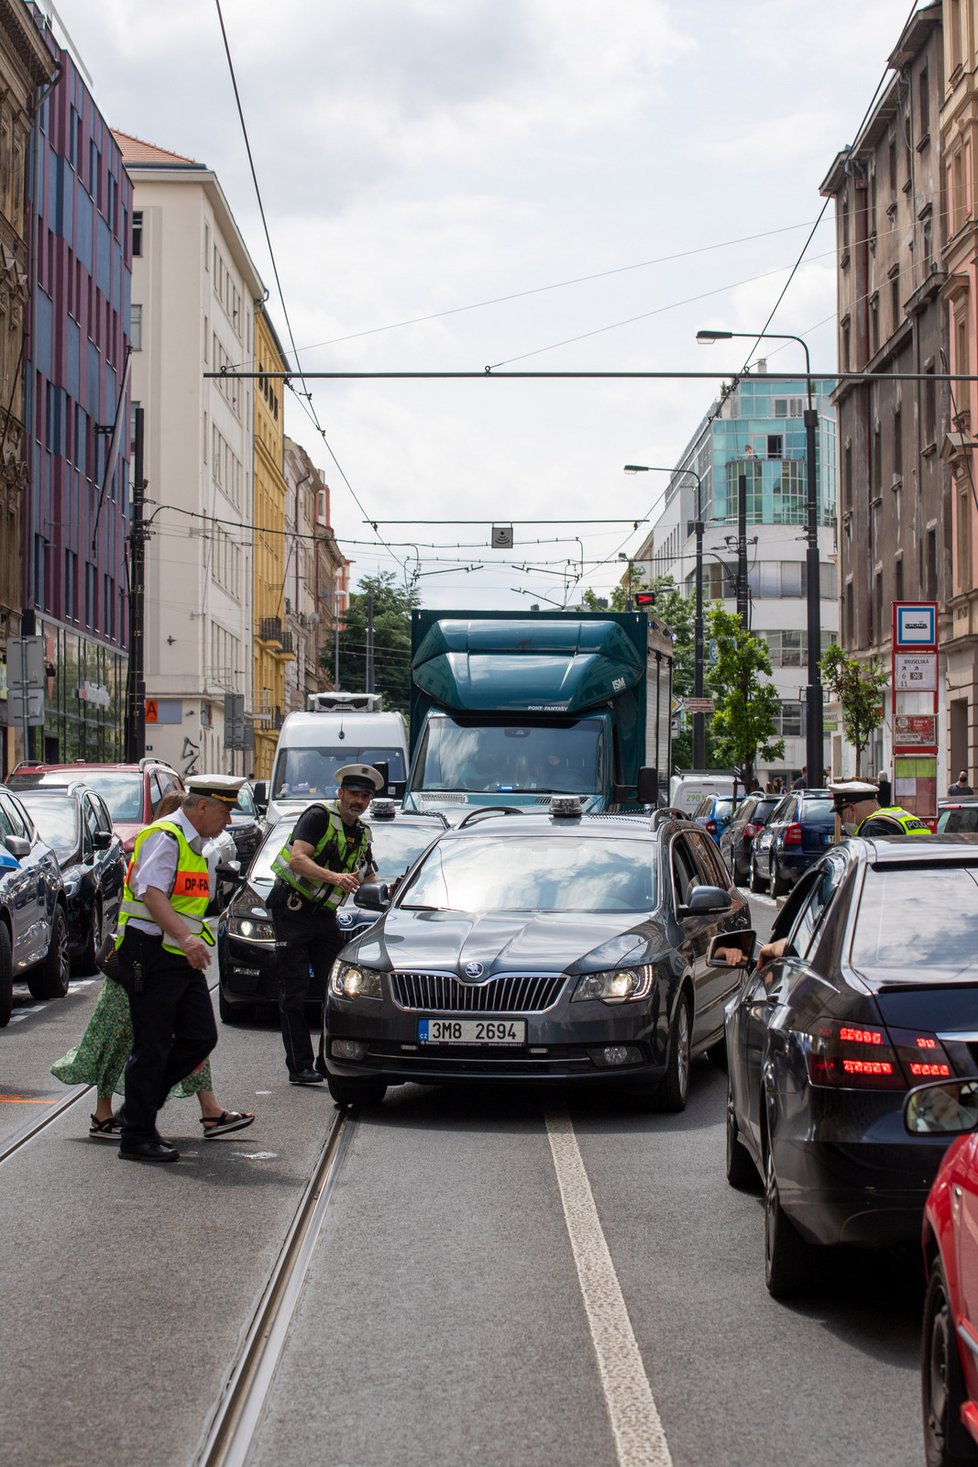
(231, 1427)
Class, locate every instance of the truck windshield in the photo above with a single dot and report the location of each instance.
(554, 759)
(312, 772)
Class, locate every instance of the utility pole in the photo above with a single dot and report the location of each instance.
(742, 587)
(814, 750)
(370, 644)
(136, 675)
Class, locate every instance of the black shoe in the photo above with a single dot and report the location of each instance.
(148, 1151)
(305, 1077)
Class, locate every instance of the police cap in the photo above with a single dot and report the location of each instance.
(222, 787)
(852, 791)
(360, 777)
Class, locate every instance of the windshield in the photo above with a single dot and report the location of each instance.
(56, 817)
(565, 759)
(395, 847)
(311, 773)
(535, 874)
(921, 923)
(123, 793)
(246, 802)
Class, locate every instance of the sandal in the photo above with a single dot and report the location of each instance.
(228, 1120)
(107, 1130)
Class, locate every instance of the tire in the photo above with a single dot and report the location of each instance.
(669, 1096)
(779, 886)
(6, 977)
(86, 961)
(52, 975)
(233, 1013)
(788, 1259)
(754, 881)
(946, 1443)
(740, 1168)
(356, 1092)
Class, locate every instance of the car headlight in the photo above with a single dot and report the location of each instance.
(252, 928)
(349, 980)
(616, 985)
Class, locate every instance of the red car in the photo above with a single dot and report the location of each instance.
(949, 1345)
(131, 791)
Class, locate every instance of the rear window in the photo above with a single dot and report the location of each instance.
(958, 822)
(817, 810)
(724, 808)
(762, 810)
(917, 921)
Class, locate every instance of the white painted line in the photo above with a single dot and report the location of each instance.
(635, 1425)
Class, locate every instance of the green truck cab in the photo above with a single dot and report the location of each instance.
(512, 710)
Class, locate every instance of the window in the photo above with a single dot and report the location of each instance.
(775, 445)
(874, 323)
(930, 565)
(895, 310)
(898, 442)
(136, 327)
(964, 536)
(923, 106)
(137, 231)
(898, 579)
(790, 724)
(930, 406)
(846, 344)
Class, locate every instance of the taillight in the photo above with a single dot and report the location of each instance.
(792, 835)
(868, 1056)
(711, 826)
(751, 830)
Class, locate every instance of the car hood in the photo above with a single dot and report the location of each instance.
(507, 942)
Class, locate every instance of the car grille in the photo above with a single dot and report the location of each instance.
(513, 993)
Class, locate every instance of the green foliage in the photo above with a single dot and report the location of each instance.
(747, 708)
(858, 687)
(392, 641)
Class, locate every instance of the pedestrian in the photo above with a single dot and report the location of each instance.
(884, 788)
(801, 783)
(857, 799)
(961, 785)
(163, 949)
(326, 857)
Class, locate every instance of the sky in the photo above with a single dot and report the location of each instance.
(532, 185)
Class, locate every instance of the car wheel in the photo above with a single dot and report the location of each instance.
(755, 883)
(233, 1013)
(779, 886)
(51, 977)
(788, 1259)
(741, 1171)
(6, 978)
(87, 960)
(942, 1389)
(355, 1092)
(670, 1093)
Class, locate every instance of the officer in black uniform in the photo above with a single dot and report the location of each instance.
(327, 857)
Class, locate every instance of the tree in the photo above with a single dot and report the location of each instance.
(746, 708)
(392, 640)
(858, 687)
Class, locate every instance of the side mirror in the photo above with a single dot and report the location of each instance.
(102, 839)
(229, 871)
(17, 845)
(706, 899)
(397, 788)
(374, 896)
(949, 1108)
(648, 786)
(260, 792)
(732, 949)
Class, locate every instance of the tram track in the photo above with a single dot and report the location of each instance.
(232, 1424)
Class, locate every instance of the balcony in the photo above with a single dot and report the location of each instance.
(270, 629)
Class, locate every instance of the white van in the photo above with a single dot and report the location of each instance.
(312, 746)
(686, 790)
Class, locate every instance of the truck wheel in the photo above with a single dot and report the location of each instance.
(52, 975)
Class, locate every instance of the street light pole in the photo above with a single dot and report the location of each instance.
(814, 752)
(699, 724)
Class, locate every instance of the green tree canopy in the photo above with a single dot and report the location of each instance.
(392, 640)
(746, 706)
(858, 687)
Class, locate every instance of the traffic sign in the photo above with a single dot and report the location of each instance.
(699, 705)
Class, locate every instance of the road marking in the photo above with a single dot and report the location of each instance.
(24, 1100)
(635, 1425)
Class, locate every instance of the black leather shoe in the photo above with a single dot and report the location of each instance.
(305, 1077)
(148, 1151)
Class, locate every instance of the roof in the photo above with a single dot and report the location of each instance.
(532, 822)
(148, 155)
(891, 850)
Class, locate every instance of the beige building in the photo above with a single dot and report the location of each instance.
(194, 291)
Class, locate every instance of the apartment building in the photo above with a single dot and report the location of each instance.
(316, 578)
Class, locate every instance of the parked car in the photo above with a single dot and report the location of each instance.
(797, 831)
(876, 992)
(75, 822)
(737, 840)
(33, 910)
(245, 938)
(131, 791)
(954, 816)
(545, 947)
(949, 1340)
(713, 812)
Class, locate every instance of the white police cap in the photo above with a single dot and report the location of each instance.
(360, 777)
(223, 787)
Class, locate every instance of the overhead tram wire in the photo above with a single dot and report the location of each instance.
(310, 408)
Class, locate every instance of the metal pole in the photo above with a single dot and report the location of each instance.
(699, 723)
(814, 748)
(370, 643)
(135, 730)
(742, 610)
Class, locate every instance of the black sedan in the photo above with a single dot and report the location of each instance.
(75, 822)
(539, 948)
(245, 937)
(876, 991)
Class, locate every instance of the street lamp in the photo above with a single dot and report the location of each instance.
(699, 726)
(813, 743)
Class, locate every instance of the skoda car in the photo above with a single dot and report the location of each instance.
(539, 947)
(877, 991)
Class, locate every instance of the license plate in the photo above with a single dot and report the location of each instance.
(472, 1031)
(828, 839)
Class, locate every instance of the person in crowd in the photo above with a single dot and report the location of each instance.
(326, 858)
(961, 785)
(163, 950)
(801, 783)
(856, 802)
(883, 788)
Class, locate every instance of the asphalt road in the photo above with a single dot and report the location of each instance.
(502, 1278)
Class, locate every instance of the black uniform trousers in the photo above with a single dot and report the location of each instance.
(307, 942)
(173, 1027)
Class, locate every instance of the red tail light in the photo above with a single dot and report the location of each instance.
(792, 836)
(751, 830)
(711, 826)
(868, 1056)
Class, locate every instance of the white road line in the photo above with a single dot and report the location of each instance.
(637, 1430)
